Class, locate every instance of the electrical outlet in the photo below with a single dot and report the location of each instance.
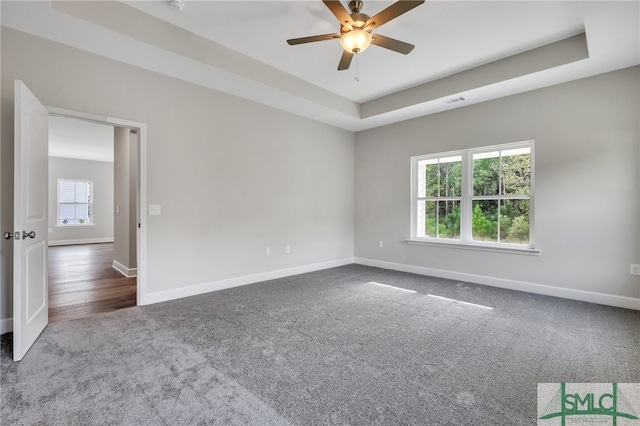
(287, 249)
(380, 244)
(267, 251)
(635, 269)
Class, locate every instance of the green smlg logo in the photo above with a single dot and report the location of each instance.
(588, 402)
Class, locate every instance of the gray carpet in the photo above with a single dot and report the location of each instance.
(328, 347)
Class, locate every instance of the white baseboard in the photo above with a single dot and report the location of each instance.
(547, 290)
(6, 325)
(193, 290)
(82, 241)
(127, 272)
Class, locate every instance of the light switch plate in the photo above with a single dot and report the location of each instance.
(154, 210)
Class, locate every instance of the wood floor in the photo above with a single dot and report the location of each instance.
(82, 282)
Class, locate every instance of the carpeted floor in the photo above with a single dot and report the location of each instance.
(349, 345)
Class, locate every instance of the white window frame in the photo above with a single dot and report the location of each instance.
(466, 241)
(90, 203)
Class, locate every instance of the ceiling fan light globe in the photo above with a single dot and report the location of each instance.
(356, 41)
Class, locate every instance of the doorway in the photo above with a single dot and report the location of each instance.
(95, 269)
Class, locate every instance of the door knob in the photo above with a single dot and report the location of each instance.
(10, 235)
(26, 234)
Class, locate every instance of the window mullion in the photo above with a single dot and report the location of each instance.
(500, 194)
(465, 204)
(531, 197)
(438, 201)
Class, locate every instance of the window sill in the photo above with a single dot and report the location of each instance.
(91, 225)
(480, 247)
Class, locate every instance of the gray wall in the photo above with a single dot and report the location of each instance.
(587, 197)
(133, 200)
(232, 176)
(101, 174)
(125, 198)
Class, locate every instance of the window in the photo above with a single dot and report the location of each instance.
(478, 197)
(439, 196)
(74, 202)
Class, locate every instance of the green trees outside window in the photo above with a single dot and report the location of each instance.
(486, 191)
(501, 192)
(442, 187)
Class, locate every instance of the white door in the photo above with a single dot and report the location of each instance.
(30, 295)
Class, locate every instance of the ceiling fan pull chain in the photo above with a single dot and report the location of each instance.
(357, 67)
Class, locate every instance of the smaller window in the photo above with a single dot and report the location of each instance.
(439, 196)
(75, 199)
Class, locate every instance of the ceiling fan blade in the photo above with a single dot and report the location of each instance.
(345, 60)
(312, 39)
(392, 44)
(338, 10)
(392, 12)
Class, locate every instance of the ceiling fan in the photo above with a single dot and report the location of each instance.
(355, 29)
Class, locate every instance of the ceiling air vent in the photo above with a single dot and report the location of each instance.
(456, 100)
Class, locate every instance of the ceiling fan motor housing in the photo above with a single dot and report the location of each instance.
(359, 21)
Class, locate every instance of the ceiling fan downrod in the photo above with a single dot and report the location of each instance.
(355, 6)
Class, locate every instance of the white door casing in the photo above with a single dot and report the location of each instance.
(30, 287)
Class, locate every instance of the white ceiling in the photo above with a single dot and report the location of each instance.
(242, 49)
(79, 139)
(449, 37)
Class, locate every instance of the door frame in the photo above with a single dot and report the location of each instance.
(141, 234)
